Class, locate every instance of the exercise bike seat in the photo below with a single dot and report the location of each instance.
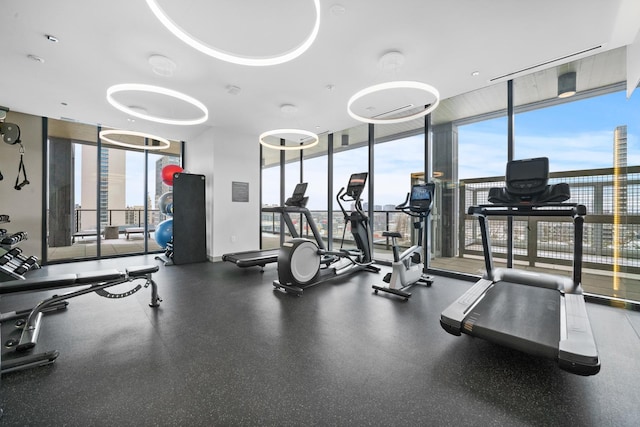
(391, 234)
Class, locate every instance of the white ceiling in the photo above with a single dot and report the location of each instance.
(103, 43)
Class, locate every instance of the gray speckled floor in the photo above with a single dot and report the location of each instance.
(224, 349)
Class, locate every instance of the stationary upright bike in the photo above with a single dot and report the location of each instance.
(408, 267)
(302, 263)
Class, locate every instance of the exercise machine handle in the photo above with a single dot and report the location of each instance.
(403, 205)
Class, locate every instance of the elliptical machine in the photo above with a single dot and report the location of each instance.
(302, 264)
(408, 267)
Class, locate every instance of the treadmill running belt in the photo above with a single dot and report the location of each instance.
(526, 318)
(252, 258)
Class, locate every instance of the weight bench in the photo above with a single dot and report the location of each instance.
(30, 320)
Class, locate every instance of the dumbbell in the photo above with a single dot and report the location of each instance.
(14, 238)
(13, 258)
(4, 218)
(13, 253)
(5, 258)
(28, 264)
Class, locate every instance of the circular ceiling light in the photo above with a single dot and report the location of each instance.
(134, 87)
(394, 85)
(230, 57)
(313, 136)
(104, 133)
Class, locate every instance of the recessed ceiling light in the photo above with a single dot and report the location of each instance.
(137, 109)
(475, 73)
(229, 57)
(64, 104)
(162, 66)
(391, 60)
(233, 90)
(337, 10)
(51, 38)
(36, 58)
(288, 109)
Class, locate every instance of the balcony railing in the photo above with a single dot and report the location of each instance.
(611, 230)
(85, 219)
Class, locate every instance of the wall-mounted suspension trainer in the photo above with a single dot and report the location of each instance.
(11, 135)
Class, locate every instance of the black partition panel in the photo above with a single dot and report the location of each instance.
(189, 219)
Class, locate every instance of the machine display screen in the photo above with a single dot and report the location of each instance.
(527, 176)
(300, 190)
(356, 184)
(420, 192)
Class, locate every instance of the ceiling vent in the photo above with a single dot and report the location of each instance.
(542, 64)
(393, 111)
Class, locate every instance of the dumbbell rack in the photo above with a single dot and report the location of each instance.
(12, 262)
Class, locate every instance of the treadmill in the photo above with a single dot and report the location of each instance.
(540, 314)
(296, 204)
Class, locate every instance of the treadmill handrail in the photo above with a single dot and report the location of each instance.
(522, 209)
(286, 210)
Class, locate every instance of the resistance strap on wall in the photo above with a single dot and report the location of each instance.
(11, 135)
(22, 169)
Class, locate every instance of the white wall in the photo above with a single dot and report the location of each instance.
(24, 206)
(224, 157)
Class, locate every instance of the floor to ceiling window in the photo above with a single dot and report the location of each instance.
(398, 160)
(314, 173)
(270, 196)
(96, 202)
(351, 155)
(592, 144)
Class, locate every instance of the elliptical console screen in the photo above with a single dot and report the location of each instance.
(356, 184)
(421, 196)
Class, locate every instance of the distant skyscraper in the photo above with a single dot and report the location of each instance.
(112, 187)
(619, 197)
(619, 167)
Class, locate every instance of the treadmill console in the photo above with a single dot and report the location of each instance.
(421, 197)
(527, 183)
(528, 176)
(297, 198)
(356, 185)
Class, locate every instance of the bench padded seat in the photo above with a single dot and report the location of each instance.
(98, 276)
(141, 270)
(38, 284)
